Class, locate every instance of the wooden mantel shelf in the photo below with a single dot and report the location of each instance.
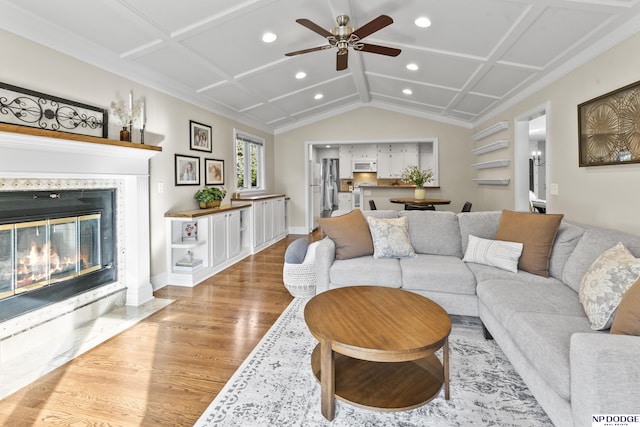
(24, 130)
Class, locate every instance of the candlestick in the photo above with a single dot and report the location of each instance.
(131, 102)
(142, 134)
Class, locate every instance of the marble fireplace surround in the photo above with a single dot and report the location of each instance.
(43, 160)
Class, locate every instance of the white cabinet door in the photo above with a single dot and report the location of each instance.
(364, 151)
(344, 201)
(218, 239)
(278, 217)
(268, 219)
(234, 237)
(345, 162)
(258, 223)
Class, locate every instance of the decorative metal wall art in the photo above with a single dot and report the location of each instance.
(25, 107)
(609, 128)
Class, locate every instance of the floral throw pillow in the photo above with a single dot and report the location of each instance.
(391, 237)
(605, 282)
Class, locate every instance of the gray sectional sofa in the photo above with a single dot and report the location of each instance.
(573, 371)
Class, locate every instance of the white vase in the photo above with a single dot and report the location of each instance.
(420, 193)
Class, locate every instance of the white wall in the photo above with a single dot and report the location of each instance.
(39, 68)
(599, 195)
(375, 125)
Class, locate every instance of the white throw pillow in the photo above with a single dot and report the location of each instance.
(604, 283)
(391, 237)
(495, 253)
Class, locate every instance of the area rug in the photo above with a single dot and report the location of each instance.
(275, 386)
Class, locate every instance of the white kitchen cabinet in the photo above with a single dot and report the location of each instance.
(221, 240)
(346, 158)
(344, 201)
(364, 151)
(394, 158)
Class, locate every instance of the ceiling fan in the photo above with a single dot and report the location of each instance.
(344, 37)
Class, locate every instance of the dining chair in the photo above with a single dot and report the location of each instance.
(372, 205)
(466, 207)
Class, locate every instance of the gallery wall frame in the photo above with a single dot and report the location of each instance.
(187, 170)
(200, 137)
(609, 128)
(25, 107)
(213, 172)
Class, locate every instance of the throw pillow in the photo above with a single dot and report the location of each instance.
(627, 318)
(536, 232)
(391, 237)
(350, 233)
(495, 253)
(604, 283)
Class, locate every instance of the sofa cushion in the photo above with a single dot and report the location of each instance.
(604, 283)
(390, 237)
(296, 251)
(438, 273)
(480, 224)
(434, 232)
(495, 253)
(350, 233)
(366, 271)
(536, 232)
(627, 318)
(506, 297)
(566, 240)
(593, 242)
(483, 273)
(545, 340)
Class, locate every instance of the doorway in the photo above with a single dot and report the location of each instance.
(531, 145)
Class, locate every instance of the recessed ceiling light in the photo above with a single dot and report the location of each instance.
(412, 67)
(269, 37)
(301, 75)
(327, 146)
(318, 96)
(407, 91)
(423, 22)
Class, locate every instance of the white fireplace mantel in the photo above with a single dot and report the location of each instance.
(43, 160)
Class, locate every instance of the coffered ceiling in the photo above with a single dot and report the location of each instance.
(476, 57)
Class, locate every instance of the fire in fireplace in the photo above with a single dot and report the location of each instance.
(54, 245)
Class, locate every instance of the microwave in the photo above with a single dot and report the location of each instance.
(364, 165)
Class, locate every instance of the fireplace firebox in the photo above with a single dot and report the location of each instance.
(54, 245)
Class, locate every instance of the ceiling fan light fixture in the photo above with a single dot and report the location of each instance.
(269, 37)
(301, 75)
(423, 22)
(412, 66)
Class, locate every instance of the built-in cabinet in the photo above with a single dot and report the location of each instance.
(204, 242)
(269, 218)
(394, 158)
(344, 201)
(346, 158)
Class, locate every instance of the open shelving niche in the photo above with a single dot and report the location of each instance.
(488, 148)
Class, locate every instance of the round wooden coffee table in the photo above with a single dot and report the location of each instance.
(377, 348)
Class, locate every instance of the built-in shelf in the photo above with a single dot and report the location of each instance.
(491, 164)
(500, 126)
(494, 181)
(497, 145)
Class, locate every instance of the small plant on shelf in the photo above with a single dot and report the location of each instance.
(419, 177)
(210, 197)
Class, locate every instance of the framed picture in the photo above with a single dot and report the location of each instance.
(213, 172)
(190, 231)
(29, 108)
(187, 170)
(200, 136)
(608, 128)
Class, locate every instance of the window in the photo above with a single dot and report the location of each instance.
(249, 162)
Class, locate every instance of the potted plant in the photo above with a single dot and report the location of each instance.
(210, 197)
(419, 177)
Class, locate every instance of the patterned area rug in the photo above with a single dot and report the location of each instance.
(275, 386)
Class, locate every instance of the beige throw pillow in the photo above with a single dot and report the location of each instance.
(627, 318)
(536, 232)
(604, 283)
(350, 233)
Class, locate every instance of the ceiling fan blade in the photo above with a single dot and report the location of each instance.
(342, 60)
(377, 24)
(382, 50)
(312, 49)
(314, 27)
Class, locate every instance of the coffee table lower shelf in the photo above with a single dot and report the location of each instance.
(384, 386)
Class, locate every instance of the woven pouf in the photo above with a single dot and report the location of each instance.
(300, 279)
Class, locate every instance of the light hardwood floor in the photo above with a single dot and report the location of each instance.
(165, 370)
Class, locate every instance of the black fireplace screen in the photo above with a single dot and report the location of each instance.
(51, 239)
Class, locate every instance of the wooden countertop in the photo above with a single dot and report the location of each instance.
(194, 213)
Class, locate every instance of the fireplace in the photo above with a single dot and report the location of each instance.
(54, 245)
